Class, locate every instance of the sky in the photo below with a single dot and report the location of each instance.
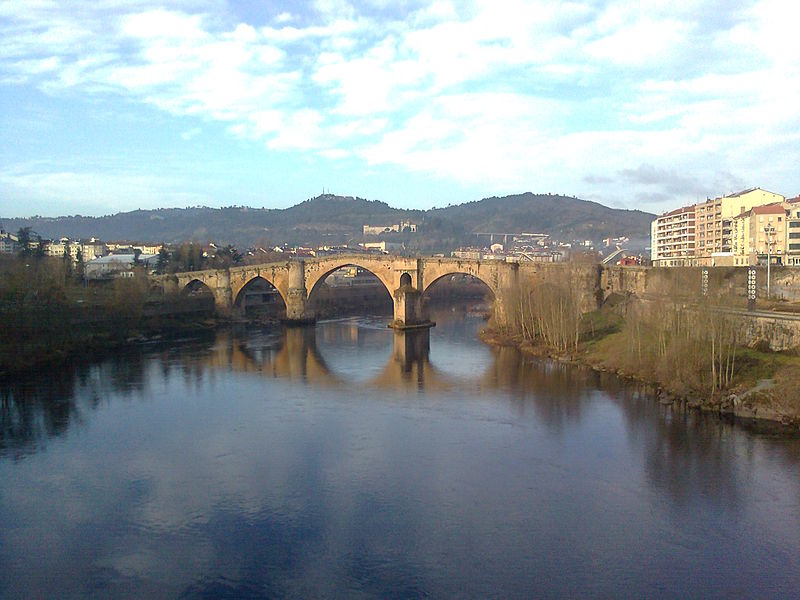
(118, 105)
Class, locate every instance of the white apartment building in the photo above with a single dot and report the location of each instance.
(673, 238)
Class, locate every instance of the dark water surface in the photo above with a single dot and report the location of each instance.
(345, 461)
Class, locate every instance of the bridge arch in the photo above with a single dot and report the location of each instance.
(199, 294)
(274, 275)
(327, 300)
(441, 278)
(317, 272)
(196, 286)
(314, 280)
(255, 284)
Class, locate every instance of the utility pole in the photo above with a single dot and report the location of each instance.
(769, 230)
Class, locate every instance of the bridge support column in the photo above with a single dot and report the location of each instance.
(504, 291)
(501, 310)
(297, 309)
(408, 309)
(223, 300)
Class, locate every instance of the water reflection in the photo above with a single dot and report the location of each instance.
(350, 460)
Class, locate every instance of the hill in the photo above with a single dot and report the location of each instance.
(339, 219)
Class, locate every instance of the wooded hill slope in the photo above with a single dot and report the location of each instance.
(339, 219)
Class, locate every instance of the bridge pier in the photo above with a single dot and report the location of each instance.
(297, 309)
(223, 297)
(409, 309)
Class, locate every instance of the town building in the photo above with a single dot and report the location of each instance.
(793, 232)
(9, 243)
(118, 265)
(714, 226)
(703, 234)
(129, 247)
(760, 234)
(383, 247)
(673, 238)
(89, 250)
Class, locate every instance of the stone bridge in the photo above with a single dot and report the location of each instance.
(406, 279)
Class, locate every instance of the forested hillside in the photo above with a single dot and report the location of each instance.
(339, 219)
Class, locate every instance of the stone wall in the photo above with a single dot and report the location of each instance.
(686, 281)
(780, 333)
(583, 277)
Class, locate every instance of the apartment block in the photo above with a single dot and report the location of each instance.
(673, 238)
(760, 234)
(707, 233)
(793, 232)
(714, 223)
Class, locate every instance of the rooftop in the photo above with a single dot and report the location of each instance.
(776, 208)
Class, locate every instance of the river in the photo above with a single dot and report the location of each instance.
(348, 461)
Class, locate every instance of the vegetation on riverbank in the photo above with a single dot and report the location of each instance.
(48, 314)
(682, 344)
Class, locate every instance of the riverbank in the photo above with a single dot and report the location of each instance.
(767, 388)
(83, 341)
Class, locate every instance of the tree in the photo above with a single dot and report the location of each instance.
(66, 261)
(79, 266)
(137, 252)
(162, 261)
(24, 239)
(38, 251)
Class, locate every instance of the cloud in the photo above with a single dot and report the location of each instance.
(74, 190)
(190, 134)
(511, 93)
(668, 180)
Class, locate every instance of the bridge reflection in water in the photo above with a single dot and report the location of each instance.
(354, 352)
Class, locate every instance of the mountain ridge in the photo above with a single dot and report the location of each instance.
(339, 219)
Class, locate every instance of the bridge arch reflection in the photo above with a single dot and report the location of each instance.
(314, 355)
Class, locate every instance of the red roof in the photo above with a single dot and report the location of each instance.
(793, 200)
(769, 209)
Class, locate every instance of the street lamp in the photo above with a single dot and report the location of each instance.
(769, 230)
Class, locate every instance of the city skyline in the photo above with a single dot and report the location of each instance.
(128, 104)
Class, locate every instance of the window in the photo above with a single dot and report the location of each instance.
(794, 235)
(793, 224)
(794, 246)
(780, 219)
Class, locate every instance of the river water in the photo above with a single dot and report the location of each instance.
(348, 461)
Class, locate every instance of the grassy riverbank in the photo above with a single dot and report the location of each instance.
(691, 354)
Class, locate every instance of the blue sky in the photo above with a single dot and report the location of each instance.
(114, 105)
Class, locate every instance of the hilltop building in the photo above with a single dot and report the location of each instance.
(402, 226)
